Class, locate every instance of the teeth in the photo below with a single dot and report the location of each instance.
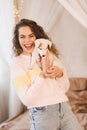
(28, 45)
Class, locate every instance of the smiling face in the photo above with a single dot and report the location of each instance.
(26, 39)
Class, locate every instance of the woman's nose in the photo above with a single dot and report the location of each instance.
(27, 40)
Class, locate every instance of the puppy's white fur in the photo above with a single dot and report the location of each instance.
(41, 47)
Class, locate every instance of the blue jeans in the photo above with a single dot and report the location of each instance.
(54, 117)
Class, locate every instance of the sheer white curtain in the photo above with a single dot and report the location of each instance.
(7, 100)
(77, 8)
(47, 13)
(6, 24)
(15, 105)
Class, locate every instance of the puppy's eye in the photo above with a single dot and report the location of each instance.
(43, 55)
(39, 55)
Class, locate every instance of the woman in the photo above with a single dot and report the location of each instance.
(46, 112)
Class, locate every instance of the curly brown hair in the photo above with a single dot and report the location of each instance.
(36, 29)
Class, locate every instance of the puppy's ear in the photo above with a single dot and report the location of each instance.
(40, 45)
(49, 44)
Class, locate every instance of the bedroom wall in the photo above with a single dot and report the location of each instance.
(69, 35)
(71, 38)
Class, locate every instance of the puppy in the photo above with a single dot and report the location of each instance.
(41, 47)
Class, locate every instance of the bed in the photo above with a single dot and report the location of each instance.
(19, 122)
(78, 98)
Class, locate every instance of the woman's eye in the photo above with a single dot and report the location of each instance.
(21, 37)
(32, 36)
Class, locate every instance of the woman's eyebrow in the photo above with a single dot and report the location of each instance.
(28, 35)
(21, 35)
(31, 34)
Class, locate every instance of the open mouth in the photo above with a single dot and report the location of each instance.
(27, 46)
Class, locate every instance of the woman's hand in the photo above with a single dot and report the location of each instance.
(53, 72)
(50, 71)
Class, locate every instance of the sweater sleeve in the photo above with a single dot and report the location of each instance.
(21, 77)
(25, 82)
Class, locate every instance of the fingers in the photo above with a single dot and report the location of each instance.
(52, 69)
(53, 72)
(50, 75)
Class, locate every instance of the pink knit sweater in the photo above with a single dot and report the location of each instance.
(33, 90)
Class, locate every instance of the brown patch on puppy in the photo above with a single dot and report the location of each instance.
(40, 45)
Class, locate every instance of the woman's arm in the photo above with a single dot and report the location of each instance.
(27, 84)
(21, 77)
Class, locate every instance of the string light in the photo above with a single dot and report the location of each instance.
(17, 11)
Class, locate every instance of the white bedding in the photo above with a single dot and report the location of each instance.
(18, 123)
